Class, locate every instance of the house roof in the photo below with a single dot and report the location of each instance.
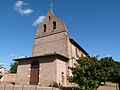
(78, 46)
(51, 54)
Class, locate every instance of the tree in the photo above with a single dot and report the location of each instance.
(13, 67)
(89, 72)
(85, 73)
(115, 76)
(106, 69)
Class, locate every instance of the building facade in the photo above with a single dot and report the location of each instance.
(52, 55)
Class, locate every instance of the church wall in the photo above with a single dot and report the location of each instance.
(47, 73)
(51, 44)
(73, 52)
(23, 73)
(61, 71)
(48, 21)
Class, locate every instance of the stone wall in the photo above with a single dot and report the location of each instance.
(23, 73)
(8, 78)
(61, 71)
(50, 69)
(25, 87)
(51, 44)
(109, 86)
(47, 72)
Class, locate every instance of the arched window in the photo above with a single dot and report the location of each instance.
(44, 27)
(54, 25)
(49, 17)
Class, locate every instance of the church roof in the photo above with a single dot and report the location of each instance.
(51, 54)
(78, 46)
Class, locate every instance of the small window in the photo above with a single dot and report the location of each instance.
(44, 27)
(76, 50)
(54, 25)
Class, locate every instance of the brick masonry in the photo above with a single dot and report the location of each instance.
(54, 51)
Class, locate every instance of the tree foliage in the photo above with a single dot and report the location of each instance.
(89, 72)
(85, 73)
(115, 76)
(13, 67)
(105, 69)
(111, 70)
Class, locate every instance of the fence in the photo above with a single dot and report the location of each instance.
(25, 87)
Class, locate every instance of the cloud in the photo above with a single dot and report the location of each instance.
(39, 20)
(26, 11)
(19, 8)
(2, 63)
(19, 4)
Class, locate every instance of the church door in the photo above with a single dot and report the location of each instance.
(34, 75)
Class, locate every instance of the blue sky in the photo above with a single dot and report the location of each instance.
(94, 24)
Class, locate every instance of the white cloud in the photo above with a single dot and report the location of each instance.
(18, 7)
(26, 11)
(38, 20)
(2, 63)
(19, 4)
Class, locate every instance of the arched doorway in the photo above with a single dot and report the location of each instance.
(34, 74)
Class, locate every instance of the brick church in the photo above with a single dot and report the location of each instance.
(52, 55)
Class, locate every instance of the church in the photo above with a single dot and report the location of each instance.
(52, 54)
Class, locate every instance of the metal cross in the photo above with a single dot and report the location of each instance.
(51, 4)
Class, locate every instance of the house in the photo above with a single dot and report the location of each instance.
(6, 77)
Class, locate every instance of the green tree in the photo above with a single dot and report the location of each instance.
(85, 73)
(115, 76)
(106, 69)
(13, 67)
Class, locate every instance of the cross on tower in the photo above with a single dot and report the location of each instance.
(51, 4)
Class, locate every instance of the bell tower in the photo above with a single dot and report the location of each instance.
(52, 54)
(51, 37)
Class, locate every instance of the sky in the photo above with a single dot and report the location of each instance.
(93, 24)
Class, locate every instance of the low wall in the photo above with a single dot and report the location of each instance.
(8, 78)
(25, 87)
(109, 86)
